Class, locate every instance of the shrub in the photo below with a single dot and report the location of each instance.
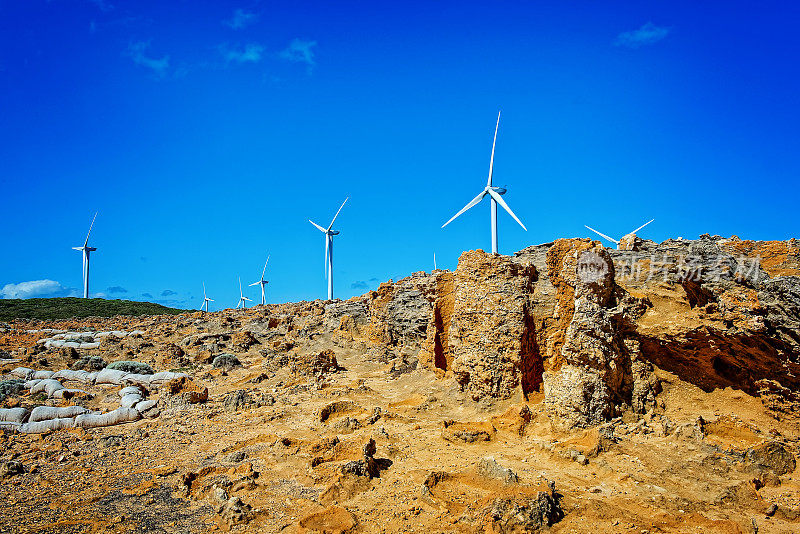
(131, 367)
(89, 363)
(11, 387)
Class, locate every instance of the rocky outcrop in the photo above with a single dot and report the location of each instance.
(481, 330)
(595, 378)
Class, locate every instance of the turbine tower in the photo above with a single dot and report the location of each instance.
(206, 300)
(262, 282)
(329, 248)
(615, 241)
(86, 249)
(494, 192)
(242, 299)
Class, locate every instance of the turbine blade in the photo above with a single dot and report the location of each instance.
(337, 213)
(468, 206)
(77, 248)
(321, 229)
(601, 234)
(502, 202)
(491, 161)
(245, 298)
(265, 267)
(240, 286)
(90, 229)
(253, 284)
(642, 226)
(210, 300)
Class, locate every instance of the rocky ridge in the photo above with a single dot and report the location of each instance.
(648, 388)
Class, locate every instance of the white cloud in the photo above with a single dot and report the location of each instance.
(136, 51)
(249, 54)
(300, 51)
(648, 34)
(240, 19)
(36, 288)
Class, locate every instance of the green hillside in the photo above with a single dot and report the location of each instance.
(70, 307)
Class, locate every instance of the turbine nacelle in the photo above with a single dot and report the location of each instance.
(329, 233)
(495, 193)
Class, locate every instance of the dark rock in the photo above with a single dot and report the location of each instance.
(526, 514)
(771, 456)
(226, 362)
(69, 353)
(10, 468)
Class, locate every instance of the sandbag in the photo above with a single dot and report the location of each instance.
(9, 425)
(22, 372)
(136, 378)
(41, 375)
(43, 413)
(30, 383)
(129, 401)
(90, 345)
(127, 390)
(109, 376)
(48, 386)
(76, 376)
(166, 376)
(40, 427)
(145, 405)
(13, 415)
(115, 417)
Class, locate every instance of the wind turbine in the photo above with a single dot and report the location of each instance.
(615, 241)
(494, 192)
(242, 299)
(206, 300)
(329, 248)
(262, 282)
(434, 261)
(86, 249)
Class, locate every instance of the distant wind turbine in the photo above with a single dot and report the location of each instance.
(86, 249)
(329, 248)
(615, 241)
(434, 261)
(262, 282)
(206, 300)
(494, 193)
(242, 299)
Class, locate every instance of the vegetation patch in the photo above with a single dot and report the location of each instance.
(71, 307)
(131, 367)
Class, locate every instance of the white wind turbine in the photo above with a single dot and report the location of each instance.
(615, 241)
(242, 299)
(329, 248)
(86, 249)
(494, 193)
(262, 282)
(206, 300)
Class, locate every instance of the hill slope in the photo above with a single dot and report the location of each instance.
(70, 307)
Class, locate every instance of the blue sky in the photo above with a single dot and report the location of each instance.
(207, 133)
